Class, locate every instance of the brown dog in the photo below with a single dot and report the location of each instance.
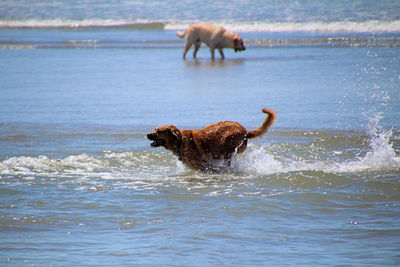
(215, 37)
(209, 148)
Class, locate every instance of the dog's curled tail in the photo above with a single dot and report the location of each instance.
(181, 34)
(269, 120)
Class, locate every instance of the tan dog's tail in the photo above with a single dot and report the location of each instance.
(269, 120)
(181, 34)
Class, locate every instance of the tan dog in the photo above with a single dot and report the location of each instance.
(215, 37)
(209, 148)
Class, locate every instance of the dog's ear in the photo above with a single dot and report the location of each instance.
(236, 41)
(175, 132)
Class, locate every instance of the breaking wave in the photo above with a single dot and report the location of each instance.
(80, 24)
(372, 26)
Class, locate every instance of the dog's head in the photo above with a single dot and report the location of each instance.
(238, 44)
(167, 136)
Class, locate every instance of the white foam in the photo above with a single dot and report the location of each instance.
(124, 165)
(259, 162)
(67, 23)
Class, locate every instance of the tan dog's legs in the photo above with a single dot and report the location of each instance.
(196, 48)
(187, 47)
(221, 53)
(212, 51)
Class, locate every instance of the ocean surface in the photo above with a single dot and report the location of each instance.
(83, 82)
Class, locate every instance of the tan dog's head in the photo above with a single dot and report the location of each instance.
(238, 44)
(167, 136)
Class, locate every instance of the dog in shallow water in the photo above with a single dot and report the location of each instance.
(211, 147)
(215, 37)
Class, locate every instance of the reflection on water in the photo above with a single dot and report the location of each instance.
(208, 63)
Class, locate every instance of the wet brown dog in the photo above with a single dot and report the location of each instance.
(215, 37)
(212, 147)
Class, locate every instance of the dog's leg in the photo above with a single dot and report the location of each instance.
(215, 40)
(187, 47)
(221, 53)
(196, 48)
(212, 51)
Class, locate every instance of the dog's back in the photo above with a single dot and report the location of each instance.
(222, 136)
(199, 30)
(213, 144)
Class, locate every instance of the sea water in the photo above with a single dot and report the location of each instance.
(81, 84)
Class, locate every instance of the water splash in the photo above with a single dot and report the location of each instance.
(379, 156)
(258, 161)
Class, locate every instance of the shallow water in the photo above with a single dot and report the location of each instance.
(80, 184)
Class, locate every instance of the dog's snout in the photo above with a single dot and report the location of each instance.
(150, 136)
(240, 49)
